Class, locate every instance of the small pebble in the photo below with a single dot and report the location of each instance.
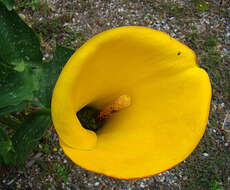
(205, 154)
(142, 185)
(46, 55)
(185, 178)
(38, 155)
(10, 182)
(22, 16)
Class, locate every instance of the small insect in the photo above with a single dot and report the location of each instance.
(120, 103)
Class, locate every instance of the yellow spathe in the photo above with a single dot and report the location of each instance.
(170, 99)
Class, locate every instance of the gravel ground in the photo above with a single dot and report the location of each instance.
(71, 23)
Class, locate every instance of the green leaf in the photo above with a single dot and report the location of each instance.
(7, 152)
(4, 70)
(9, 122)
(49, 72)
(8, 3)
(20, 67)
(10, 158)
(16, 87)
(18, 42)
(5, 140)
(29, 133)
(10, 109)
(1, 161)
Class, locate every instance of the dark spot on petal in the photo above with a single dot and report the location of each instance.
(178, 53)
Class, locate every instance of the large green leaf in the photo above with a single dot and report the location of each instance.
(29, 133)
(7, 152)
(49, 72)
(19, 45)
(5, 70)
(10, 109)
(16, 87)
(9, 122)
(8, 3)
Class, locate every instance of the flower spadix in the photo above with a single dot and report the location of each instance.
(168, 94)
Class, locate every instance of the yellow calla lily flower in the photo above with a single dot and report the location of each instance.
(169, 98)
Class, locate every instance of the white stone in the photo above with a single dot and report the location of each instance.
(205, 154)
(142, 185)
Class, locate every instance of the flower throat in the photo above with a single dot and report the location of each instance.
(93, 119)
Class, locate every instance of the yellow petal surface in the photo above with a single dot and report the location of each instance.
(170, 98)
